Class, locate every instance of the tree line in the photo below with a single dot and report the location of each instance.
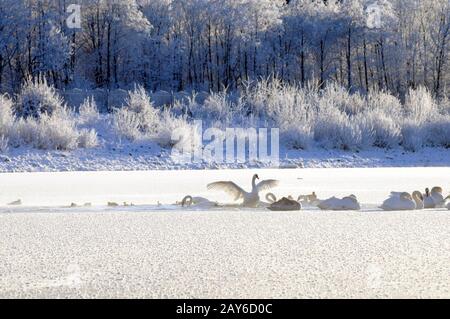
(175, 45)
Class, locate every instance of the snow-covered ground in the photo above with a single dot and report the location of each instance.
(130, 157)
(48, 250)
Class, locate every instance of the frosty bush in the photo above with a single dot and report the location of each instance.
(177, 132)
(138, 103)
(378, 130)
(51, 132)
(412, 135)
(88, 112)
(419, 105)
(381, 101)
(127, 124)
(37, 98)
(338, 97)
(139, 120)
(4, 144)
(87, 138)
(6, 115)
(437, 132)
(334, 129)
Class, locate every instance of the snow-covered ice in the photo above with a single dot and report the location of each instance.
(147, 250)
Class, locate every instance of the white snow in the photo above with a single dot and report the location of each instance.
(163, 251)
(149, 156)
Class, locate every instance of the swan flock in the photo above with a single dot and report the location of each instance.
(397, 201)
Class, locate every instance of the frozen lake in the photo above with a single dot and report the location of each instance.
(371, 185)
(47, 250)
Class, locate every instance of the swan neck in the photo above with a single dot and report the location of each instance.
(254, 182)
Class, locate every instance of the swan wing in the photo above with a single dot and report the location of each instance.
(267, 184)
(228, 187)
(396, 194)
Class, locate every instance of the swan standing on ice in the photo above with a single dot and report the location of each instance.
(334, 203)
(251, 199)
(403, 201)
(197, 202)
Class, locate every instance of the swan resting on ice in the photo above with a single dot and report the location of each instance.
(250, 199)
(436, 194)
(197, 202)
(284, 204)
(310, 199)
(334, 203)
(448, 202)
(428, 201)
(403, 201)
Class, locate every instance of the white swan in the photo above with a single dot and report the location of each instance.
(428, 201)
(200, 202)
(448, 202)
(418, 198)
(334, 203)
(251, 199)
(310, 199)
(436, 194)
(403, 201)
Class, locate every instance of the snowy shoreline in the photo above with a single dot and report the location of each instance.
(152, 157)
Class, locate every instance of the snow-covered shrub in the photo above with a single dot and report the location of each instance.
(6, 115)
(52, 132)
(88, 112)
(420, 105)
(217, 106)
(413, 137)
(87, 138)
(378, 130)
(297, 136)
(335, 129)
(338, 97)
(381, 101)
(37, 98)
(437, 131)
(127, 124)
(137, 117)
(4, 144)
(177, 132)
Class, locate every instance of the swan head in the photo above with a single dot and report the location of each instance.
(255, 176)
(427, 191)
(436, 189)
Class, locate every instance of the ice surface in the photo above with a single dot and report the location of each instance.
(151, 251)
(370, 185)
